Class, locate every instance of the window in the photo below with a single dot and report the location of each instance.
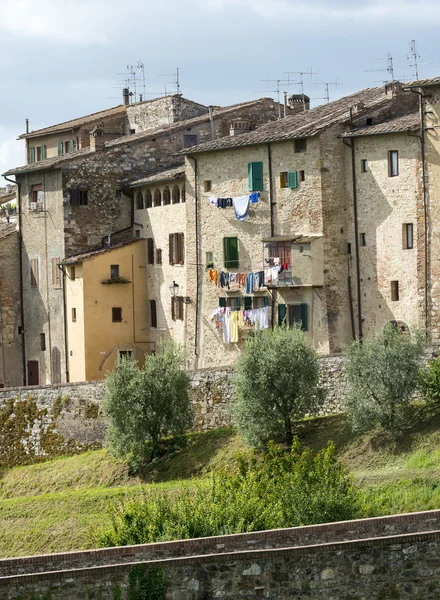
(159, 256)
(348, 248)
(60, 148)
(137, 233)
(257, 301)
(230, 252)
(41, 153)
(177, 308)
(157, 198)
(150, 251)
(114, 272)
(72, 273)
(69, 146)
(183, 193)
(166, 196)
(37, 195)
(148, 199)
(73, 315)
(139, 201)
(190, 140)
(42, 342)
(292, 179)
(394, 291)
(300, 145)
(56, 274)
(364, 165)
(153, 314)
(79, 197)
(207, 185)
(393, 163)
(126, 354)
(408, 236)
(292, 314)
(35, 279)
(363, 239)
(32, 154)
(369, 121)
(302, 175)
(117, 314)
(255, 174)
(283, 179)
(176, 194)
(209, 260)
(176, 249)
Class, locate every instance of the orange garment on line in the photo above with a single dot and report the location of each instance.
(213, 276)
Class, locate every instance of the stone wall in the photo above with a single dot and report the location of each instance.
(393, 557)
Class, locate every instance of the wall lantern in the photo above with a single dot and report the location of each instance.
(174, 290)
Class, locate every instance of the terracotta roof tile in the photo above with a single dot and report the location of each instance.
(49, 163)
(394, 125)
(168, 175)
(85, 255)
(423, 82)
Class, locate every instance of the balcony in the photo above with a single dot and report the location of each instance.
(115, 280)
(294, 261)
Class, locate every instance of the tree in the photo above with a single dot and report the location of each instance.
(145, 404)
(430, 381)
(382, 375)
(277, 383)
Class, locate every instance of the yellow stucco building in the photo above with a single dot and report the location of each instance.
(106, 308)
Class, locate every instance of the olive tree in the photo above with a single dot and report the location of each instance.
(147, 403)
(382, 374)
(277, 383)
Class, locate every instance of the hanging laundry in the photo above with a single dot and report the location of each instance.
(212, 200)
(233, 324)
(254, 197)
(241, 207)
(224, 202)
(227, 326)
(250, 283)
(224, 279)
(213, 276)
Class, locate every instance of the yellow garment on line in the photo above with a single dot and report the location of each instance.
(233, 326)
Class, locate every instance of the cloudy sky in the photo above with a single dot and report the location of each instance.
(60, 59)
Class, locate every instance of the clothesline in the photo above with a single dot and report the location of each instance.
(241, 204)
(252, 282)
(231, 320)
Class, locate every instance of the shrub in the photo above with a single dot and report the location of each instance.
(277, 381)
(269, 490)
(146, 404)
(382, 374)
(430, 380)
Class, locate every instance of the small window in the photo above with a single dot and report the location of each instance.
(363, 239)
(158, 256)
(137, 233)
(176, 248)
(207, 185)
(166, 196)
(117, 314)
(157, 197)
(114, 272)
(132, 131)
(56, 274)
(393, 163)
(42, 342)
(302, 175)
(230, 252)
(348, 248)
(209, 260)
(176, 194)
(394, 291)
(37, 194)
(79, 197)
(73, 315)
(301, 145)
(150, 251)
(139, 201)
(126, 354)
(72, 273)
(297, 314)
(369, 121)
(189, 140)
(408, 236)
(182, 195)
(364, 165)
(283, 179)
(177, 308)
(153, 314)
(148, 199)
(35, 279)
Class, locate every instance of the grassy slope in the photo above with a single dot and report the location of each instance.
(57, 505)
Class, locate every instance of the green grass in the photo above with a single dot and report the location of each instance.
(58, 505)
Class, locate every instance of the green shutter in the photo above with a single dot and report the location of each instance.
(222, 302)
(292, 179)
(71, 145)
(247, 302)
(265, 301)
(43, 152)
(282, 309)
(304, 317)
(255, 173)
(230, 252)
(32, 155)
(60, 148)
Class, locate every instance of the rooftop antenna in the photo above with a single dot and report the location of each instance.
(176, 80)
(389, 68)
(132, 72)
(326, 89)
(284, 82)
(301, 81)
(413, 57)
(141, 68)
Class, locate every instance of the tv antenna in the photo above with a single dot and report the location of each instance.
(326, 96)
(176, 80)
(140, 66)
(284, 82)
(389, 68)
(413, 57)
(301, 81)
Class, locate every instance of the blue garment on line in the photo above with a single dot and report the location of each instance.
(249, 283)
(254, 197)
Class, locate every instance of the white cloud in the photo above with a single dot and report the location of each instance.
(11, 150)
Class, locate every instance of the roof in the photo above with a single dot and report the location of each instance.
(301, 125)
(6, 229)
(92, 252)
(74, 123)
(423, 82)
(168, 175)
(217, 112)
(400, 124)
(48, 163)
(295, 238)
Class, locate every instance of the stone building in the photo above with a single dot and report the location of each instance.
(73, 193)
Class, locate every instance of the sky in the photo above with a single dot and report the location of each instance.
(61, 59)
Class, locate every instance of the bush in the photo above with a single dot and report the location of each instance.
(430, 381)
(145, 404)
(277, 381)
(382, 374)
(269, 490)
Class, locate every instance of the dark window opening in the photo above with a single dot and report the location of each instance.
(189, 140)
(408, 236)
(117, 314)
(159, 256)
(394, 291)
(230, 252)
(363, 239)
(364, 165)
(114, 271)
(42, 342)
(176, 248)
(150, 251)
(207, 185)
(393, 163)
(139, 201)
(166, 196)
(176, 194)
(79, 197)
(157, 197)
(73, 315)
(300, 145)
(153, 314)
(148, 199)
(302, 175)
(369, 121)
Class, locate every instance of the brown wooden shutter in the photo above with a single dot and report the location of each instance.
(34, 273)
(75, 197)
(181, 248)
(171, 248)
(56, 273)
(173, 308)
(180, 309)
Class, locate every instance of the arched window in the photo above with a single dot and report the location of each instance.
(157, 197)
(166, 196)
(183, 193)
(176, 194)
(148, 199)
(139, 201)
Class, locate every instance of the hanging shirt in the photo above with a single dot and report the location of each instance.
(212, 200)
(227, 326)
(254, 197)
(233, 324)
(250, 283)
(241, 207)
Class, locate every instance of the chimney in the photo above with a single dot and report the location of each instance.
(126, 96)
(299, 103)
(211, 121)
(238, 127)
(97, 138)
(285, 105)
(27, 125)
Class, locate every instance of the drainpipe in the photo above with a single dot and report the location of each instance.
(271, 204)
(356, 233)
(20, 244)
(66, 344)
(285, 105)
(196, 215)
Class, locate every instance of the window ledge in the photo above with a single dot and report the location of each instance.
(118, 280)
